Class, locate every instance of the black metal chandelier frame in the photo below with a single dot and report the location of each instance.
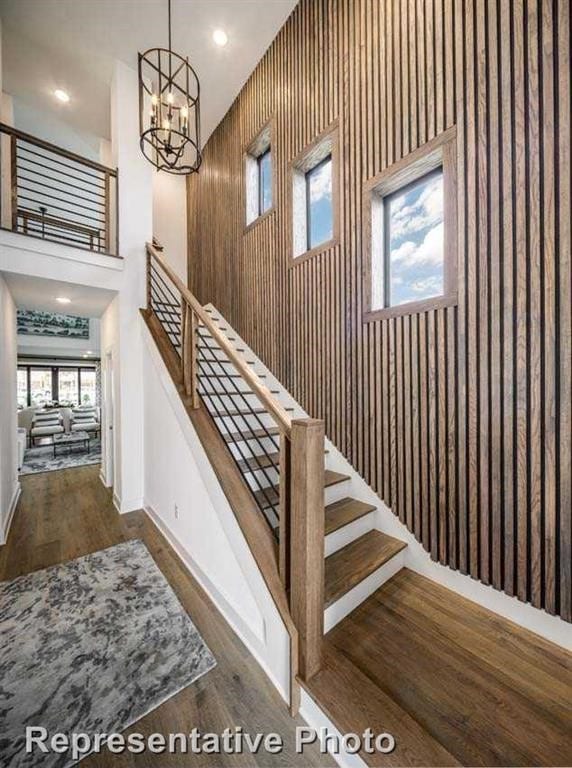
(169, 131)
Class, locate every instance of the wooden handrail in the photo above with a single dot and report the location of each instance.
(11, 131)
(280, 415)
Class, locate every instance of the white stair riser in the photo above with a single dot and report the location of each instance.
(348, 602)
(348, 533)
(337, 492)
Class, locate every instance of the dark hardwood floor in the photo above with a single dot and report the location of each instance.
(66, 514)
(489, 692)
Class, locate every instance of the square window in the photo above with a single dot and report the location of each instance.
(87, 386)
(414, 241)
(315, 196)
(410, 232)
(23, 387)
(258, 174)
(68, 386)
(319, 209)
(41, 391)
(264, 182)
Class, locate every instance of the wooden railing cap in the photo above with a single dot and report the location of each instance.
(273, 406)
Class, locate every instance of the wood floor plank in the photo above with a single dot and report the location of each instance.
(66, 514)
(353, 703)
(491, 693)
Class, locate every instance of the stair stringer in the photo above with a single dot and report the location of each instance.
(257, 621)
(414, 556)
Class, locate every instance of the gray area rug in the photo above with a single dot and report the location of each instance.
(41, 458)
(91, 646)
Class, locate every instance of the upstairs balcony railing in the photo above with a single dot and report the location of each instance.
(50, 193)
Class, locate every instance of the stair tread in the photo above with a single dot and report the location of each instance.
(345, 511)
(253, 434)
(271, 495)
(354, 702)
(356, 561)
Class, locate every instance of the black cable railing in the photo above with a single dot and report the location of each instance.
(57, 195)
(238, 414)
(166, 306)
(258, 459)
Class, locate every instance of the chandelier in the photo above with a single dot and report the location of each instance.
(169, 113)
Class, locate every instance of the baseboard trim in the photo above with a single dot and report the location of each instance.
(246, 635)
(11, 510)
(314, 715)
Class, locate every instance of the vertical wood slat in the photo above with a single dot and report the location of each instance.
(488, 415)
(307, 540)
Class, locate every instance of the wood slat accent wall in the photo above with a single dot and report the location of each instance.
(460, 418)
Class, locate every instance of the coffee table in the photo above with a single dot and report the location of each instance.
(70, 439)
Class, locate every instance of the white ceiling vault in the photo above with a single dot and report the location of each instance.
(71, 44)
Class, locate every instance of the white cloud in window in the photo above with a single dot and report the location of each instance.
(428, 252)
(416, 210)
(429, 286)
(321, 184)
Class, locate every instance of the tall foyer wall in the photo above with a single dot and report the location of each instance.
(460, 418)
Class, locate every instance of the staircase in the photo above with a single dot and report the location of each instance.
(306, 522)
(358, 557)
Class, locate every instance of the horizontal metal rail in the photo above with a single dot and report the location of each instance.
(57, 195)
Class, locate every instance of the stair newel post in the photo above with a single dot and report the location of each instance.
(307, 540)
(284, 510)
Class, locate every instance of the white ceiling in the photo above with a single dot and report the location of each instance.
(71, 44)
(40, 294)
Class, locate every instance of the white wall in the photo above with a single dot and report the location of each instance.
(111, 411)
(135, 229)
(49, 127)
(204, 530)
(170, 219)
(9, 486)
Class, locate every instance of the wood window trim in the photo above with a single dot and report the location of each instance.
(439, 152)
(259, 161)
(301, 164)
(254, 149)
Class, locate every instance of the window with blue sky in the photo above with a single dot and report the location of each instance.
(415, 241)
(264, 182)
(320, 225)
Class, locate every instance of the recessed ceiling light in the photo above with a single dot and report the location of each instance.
(220, 37)
(63, 300)
(61, 96)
